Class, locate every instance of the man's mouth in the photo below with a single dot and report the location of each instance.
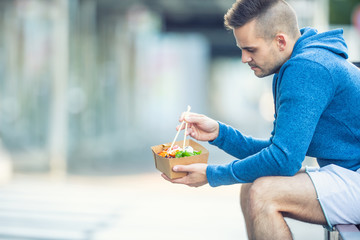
(253, 67)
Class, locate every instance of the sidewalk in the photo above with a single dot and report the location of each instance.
(140, 206)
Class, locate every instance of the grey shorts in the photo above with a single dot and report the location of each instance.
(338, 191)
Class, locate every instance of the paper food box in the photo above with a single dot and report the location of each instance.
(165, 165)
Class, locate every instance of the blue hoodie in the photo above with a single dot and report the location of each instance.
(317, 113)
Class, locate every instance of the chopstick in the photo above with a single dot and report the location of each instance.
(177, 134)
(186, 125)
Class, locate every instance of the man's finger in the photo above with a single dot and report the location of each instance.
(182, 117)
(165, 177)
(185, 115)
(181, 180)
(178, 126)
(175, 180)
(193, 118)
(182, 168)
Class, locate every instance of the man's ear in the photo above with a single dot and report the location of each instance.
(281, 41)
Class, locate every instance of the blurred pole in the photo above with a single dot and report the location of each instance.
(12, 51)
(59, 116)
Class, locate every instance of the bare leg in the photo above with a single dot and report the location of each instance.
(268, 200)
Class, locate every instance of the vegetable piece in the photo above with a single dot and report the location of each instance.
(180, 154)
(164, 154)
(177, 152)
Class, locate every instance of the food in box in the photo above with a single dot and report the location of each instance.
(166, 164)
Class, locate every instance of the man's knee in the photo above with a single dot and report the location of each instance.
(257, 196)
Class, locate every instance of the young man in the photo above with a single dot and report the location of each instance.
(317, 113)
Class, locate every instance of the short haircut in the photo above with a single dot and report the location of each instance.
(272, 17)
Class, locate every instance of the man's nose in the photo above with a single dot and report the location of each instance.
(245, 58)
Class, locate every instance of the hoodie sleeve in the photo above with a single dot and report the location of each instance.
(304, 92)
(236, 144)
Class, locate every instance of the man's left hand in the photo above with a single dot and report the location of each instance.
(196, 176)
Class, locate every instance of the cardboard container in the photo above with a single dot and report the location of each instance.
(165, 165)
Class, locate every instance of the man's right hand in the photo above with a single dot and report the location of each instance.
(200, 127)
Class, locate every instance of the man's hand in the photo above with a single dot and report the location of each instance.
(196, 176)
(200, 127)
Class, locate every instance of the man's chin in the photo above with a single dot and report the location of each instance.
(260, 74)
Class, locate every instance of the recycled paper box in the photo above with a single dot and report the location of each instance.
(165, 165)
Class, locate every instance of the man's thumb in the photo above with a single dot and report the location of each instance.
(181, 168)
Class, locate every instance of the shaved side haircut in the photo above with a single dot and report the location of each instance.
(271, 16)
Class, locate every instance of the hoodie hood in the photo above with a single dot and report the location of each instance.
(331, 40)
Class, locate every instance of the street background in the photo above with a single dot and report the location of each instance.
(88, 86)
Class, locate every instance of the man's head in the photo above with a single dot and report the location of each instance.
(266, 31)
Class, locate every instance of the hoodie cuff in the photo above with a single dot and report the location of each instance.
(218, 175)
(222, 133)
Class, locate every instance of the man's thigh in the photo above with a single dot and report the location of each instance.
(294, 197)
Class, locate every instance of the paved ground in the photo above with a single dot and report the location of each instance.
(142, 206)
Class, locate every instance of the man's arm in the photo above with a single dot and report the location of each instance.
(301, 100)
(236, 144)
